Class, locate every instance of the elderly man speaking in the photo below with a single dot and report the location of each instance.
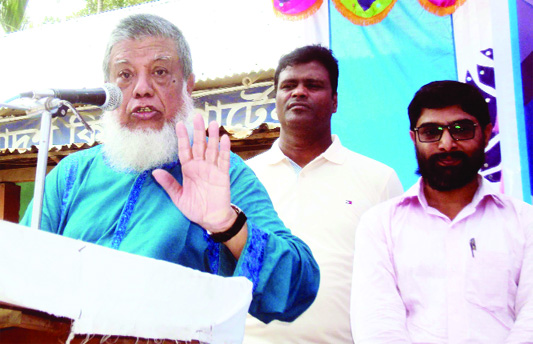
(145, 190)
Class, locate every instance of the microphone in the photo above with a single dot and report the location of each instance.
(108, 97)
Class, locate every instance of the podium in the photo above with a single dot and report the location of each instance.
(19, 325)
(55, 289)
(22, 326)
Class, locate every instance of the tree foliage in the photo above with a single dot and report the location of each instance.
(12, 14)
(97, 6)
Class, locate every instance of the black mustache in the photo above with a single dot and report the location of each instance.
(454, 155)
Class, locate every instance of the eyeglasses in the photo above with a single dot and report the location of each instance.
(460, 130)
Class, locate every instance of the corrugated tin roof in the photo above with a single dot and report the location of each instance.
(227, 39)
(12, 158)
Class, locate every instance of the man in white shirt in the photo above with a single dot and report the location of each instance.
(451, 260)
(319, 189)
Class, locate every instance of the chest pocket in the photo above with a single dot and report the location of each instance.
(487, 283)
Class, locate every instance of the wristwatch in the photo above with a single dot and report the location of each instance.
(234, 229)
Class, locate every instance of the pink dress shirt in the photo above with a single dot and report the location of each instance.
(420, 277)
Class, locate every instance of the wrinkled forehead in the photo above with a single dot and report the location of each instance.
(127, 60)
(141, 53)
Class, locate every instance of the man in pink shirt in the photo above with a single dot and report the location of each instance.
(451, 260)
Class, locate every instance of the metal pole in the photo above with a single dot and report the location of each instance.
(40, 174)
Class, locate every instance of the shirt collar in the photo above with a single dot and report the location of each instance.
(335, 152)
(485, 190)
(414, 193)
(274, 155)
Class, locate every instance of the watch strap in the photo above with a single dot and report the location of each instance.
(234, 229)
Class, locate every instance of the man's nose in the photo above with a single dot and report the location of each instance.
(299, 91)
(143, 86)
(446, 142)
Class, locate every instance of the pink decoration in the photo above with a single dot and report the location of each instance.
(443, 3)
(294, 7)
(441, 7)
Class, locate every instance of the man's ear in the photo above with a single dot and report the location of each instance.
(487, 132)
(334, 108)
(413, 136)
(190, 83)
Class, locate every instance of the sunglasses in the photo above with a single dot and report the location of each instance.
(459, 130)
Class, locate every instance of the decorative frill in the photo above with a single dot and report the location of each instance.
(364, 12)
(296, 9)
(441, 7)
(359, 12)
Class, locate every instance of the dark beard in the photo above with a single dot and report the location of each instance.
(446, 178)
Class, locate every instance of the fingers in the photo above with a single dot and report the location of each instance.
(224, 154)
(198, 146)
(211, 154)
(169, 183)
(184, 146)
(201, 150)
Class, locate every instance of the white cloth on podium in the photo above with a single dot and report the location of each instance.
(110, 292)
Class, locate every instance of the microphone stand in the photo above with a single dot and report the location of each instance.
(48, 108)
(40, 171)
(51, 109)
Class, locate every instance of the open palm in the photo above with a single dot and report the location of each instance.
(204, 196)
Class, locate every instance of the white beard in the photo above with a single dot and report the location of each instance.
(143, 149)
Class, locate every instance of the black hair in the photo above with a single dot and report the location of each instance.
(310, 53)
(442, 94)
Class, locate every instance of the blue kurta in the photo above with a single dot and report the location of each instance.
(88, 200)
